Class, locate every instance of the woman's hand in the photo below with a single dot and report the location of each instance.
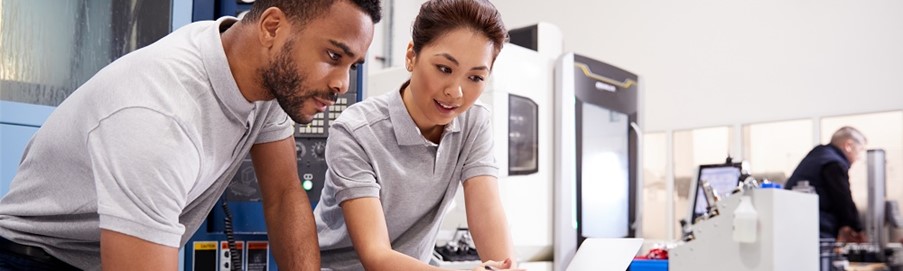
(494, 265)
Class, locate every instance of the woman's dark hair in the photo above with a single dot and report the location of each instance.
(438, 17)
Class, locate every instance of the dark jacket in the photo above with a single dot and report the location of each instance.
(826, 169)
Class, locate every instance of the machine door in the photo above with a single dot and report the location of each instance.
(605, 100)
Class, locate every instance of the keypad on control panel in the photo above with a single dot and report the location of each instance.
(321, 121)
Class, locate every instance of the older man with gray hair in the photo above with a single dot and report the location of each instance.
(826, 169)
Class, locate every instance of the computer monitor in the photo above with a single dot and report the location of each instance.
(723, 178)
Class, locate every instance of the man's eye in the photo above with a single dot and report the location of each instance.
(332, 55)
(354, 66)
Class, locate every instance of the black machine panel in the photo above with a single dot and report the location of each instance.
(310, 150)
(606, 105)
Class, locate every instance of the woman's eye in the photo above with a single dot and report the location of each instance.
(443, 69)
(477, 79)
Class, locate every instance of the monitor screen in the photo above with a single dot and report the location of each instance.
(723, 178)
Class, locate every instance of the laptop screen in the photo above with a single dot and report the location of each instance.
(605, 254)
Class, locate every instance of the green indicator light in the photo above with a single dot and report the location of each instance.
(307, 184)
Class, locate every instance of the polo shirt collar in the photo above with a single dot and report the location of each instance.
(406, 130)
(220, 75)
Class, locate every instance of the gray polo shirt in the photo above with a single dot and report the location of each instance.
(145, 148)
(375, 150)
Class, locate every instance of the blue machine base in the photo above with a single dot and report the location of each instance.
(207, 247)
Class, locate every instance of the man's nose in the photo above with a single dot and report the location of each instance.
(338, 85)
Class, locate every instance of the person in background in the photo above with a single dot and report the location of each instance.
(395, 161)
(826, 169)
(124, 171)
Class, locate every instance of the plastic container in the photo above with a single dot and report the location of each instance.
(804, 187)
(745, 221)
(648, 265)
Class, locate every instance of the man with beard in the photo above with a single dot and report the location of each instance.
(130, 164)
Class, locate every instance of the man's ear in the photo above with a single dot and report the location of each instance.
(272, 21)
(848, 145)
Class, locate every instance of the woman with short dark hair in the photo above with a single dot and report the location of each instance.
(395, 161)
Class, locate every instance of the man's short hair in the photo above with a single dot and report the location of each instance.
(302, 11)
(845, 133)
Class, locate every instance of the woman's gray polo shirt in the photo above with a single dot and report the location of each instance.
(375, 150)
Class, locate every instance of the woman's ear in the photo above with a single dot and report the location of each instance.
(409, 57)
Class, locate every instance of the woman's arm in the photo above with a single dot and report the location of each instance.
(366, 223)
(486, 219)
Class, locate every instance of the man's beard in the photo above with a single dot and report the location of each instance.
(282, 79)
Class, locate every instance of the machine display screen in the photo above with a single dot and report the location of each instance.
(722, 178)
(523, 139)
(604, 180)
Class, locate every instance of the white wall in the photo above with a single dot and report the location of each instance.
(707, 63)
(404, 12)
(726, 63)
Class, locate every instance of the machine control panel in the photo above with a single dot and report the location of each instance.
(310, 151)
(310, 140)
(226, 255)
(319, 127)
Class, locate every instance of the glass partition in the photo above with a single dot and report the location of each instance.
(655, 188)
(774, 149)
(51, 47)
(693, 148)
(882, 131)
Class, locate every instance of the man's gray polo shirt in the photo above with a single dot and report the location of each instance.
(376, 150)
(144, 148)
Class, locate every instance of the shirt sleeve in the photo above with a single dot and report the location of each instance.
(350, 173)
(144, 164)
(277, 126)
(480, 160)
(837, 188)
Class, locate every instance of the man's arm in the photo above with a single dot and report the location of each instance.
(486, 219)
(119, 252)
(143, 164)
(290, 221)
(837, 188)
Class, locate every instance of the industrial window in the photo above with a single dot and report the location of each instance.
(883, 131)
(691, 149)
(774, 149)
(655, 187)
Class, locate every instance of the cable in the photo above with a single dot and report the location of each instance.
(234, 255)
